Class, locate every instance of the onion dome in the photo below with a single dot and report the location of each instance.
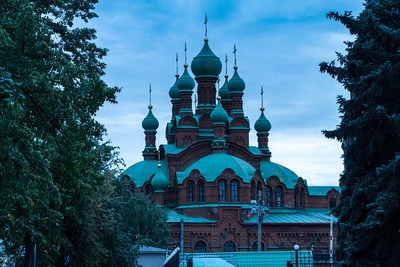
(185, 82)
(236, 84)
(262, 124)
(174, 91)
(206, 63)
(159, 181)
(219, 115)
(223, 91)
(150, 122)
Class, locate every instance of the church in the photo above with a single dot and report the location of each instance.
(223, 194)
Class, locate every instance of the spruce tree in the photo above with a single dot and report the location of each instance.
(369, 209)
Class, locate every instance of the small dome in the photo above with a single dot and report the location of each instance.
(185, 82)
(219, 115)
(174, 91)
(150, 122)
(236, 84)
(223, 91)
(206, 63)
(262, 124)
(159, 181)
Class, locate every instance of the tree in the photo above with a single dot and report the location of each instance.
(52, 157)
(369, 210)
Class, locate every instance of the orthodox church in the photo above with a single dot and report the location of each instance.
(221, 193)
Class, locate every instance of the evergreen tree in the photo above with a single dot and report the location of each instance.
(369, 210)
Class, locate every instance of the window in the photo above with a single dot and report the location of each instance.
(229, 246)
(302, 198)
(222, 191)
(191, 191)
(235, 191)
(268, 197)
(253, 190)
(332, 203)
(296, 195)
(149, 190)
(278, 197)
(259, 190)
(254, 247)
(200, 247)
(201, 187)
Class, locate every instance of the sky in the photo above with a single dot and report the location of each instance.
(280, 44)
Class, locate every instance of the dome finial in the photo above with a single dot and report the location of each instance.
(176, 60)
(205, 24)
(234, 55)
(185, 55)
(262, 98)
(226, 66)
(150, 106)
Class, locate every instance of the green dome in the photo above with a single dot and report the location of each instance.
(212, 166)
(159, 181)
(223, 91)
(206, 63)
(262, 124)
(219, 115)
(150, 122)
(285, 175)
(174, 91)
(186, 82)
(236, 84)
(141, 172)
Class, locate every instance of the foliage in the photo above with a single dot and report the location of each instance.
(57, 183)
(369, 211)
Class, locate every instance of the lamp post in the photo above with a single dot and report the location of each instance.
(259, 210)
(296, 255)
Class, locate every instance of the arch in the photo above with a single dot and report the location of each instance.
(235, 190)
(191, 191)
(201, 186)
(188, 121)
(222, 191)
(200, 247)
(278, 196)
(229, 246)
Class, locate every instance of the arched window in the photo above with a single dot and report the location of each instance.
(278, 197)
(191, 191)
(222, 191)
(200, 247)
(259, 189)
(332, 203)
(201, 187)
(229, 246)
(149, 190)
(302, 198)
(253, 190)
(268, 196)
(254, 247)
(235, 191)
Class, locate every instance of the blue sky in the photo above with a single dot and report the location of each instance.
(279, 46)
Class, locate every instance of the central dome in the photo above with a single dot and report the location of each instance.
(206, 63)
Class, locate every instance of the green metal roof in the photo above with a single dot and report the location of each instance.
(211, 262)
(289, 216)
(142, 171)
(213, 165)
(321, 190)
(251, 259)
(174, 217)
(285, 175)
